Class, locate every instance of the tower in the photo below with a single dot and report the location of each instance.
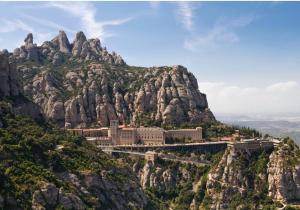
(114, 125)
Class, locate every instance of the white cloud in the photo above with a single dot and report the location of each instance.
(14, 25)
(9, 26)
(276, 97)
(48, 23)
(282, 86)
(87, 14)
(185, 14)
(223, 31)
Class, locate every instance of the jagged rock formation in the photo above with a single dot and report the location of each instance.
(9, 80)
(38, 172)
(161, 178)
(11, 88)
(50, 196)
(265, 176)
(175, 185)
(228, 179)
(81, 84)
(284, 172)
(108, 194)
(59, 50)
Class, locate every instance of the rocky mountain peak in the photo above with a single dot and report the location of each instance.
(84, 84)
(29, 39)
(79, 44)
(95, 45)
(62, 42)
(59, 50)
(80, 37)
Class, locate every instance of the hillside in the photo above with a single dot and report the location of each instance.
(81, 84)
(42, 167)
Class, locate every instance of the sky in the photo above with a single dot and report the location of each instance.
(245, 55)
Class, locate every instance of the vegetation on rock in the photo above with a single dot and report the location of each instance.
(34, 153)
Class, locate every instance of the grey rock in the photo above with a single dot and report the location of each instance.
(283, 178)
(49, 197)
(80, 39)
(62, 42)
(29, 39)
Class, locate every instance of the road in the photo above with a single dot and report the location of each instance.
(161, 156)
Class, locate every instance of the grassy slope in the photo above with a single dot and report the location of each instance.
(29, 156)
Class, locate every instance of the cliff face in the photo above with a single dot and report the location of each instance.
(107, 193)
(44, 168)
(161, 178)
(233, 177)
(172, 184)
(242, 177)
(12, 90)
(284, 172)
(9, 80)
(81, 84)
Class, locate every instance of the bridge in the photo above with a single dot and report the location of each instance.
(196, 147)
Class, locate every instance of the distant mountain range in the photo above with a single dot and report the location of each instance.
(278, 125)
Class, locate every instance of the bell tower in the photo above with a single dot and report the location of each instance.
(114, 126)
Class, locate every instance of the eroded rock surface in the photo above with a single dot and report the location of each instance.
(11, 87)
(80, 84)
(284, 173)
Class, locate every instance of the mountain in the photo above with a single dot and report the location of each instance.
(246, 179)
(235, 178)
(11, 89)
(42, 167)
(81, 84)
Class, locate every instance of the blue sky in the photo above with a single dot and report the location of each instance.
(245, 55)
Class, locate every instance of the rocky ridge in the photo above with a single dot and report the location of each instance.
(175, 185)
(12, 90)
(267, 176)
(80, 84)
(43, 167)
(9, 85)
(59, 50)
(153, 175)
(284, 172)
(107, 193)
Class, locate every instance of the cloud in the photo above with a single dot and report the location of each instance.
(185, 15)
(223, 31)
(282, 86)
(87, 14)
(8, 26)
(48, 23)
(276, 97)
